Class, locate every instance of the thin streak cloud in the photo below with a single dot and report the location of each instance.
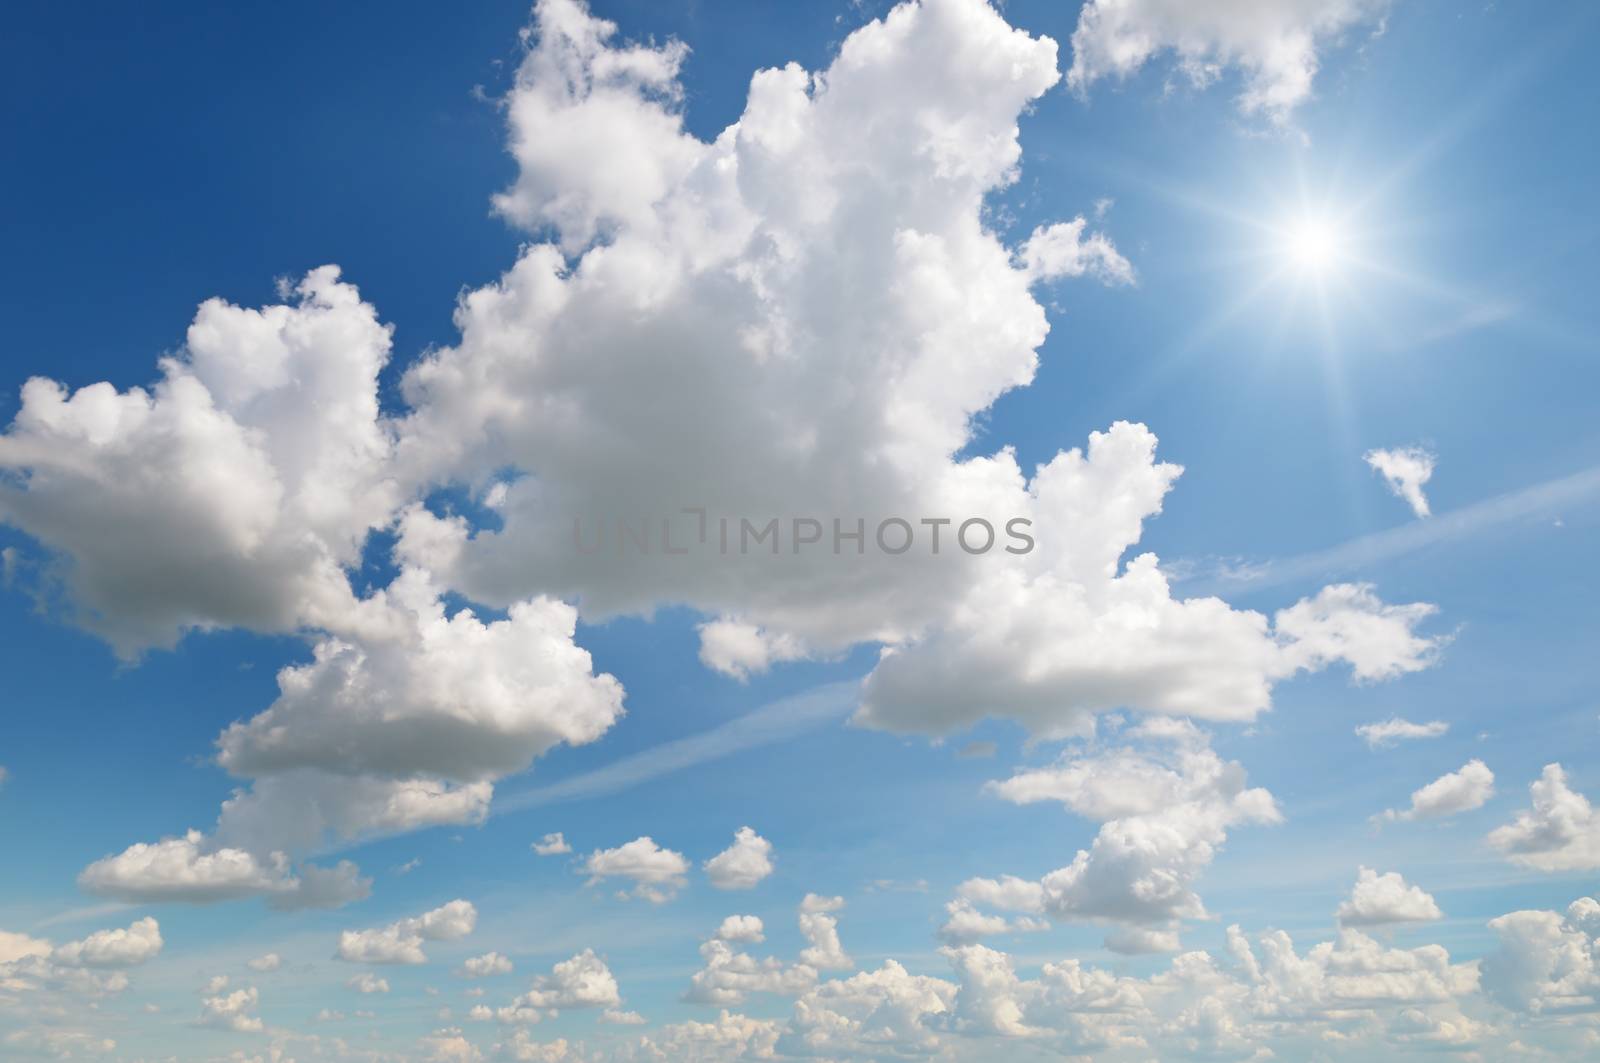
(771, 723)
(1542, 499)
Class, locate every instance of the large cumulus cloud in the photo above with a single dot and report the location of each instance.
(801, 318)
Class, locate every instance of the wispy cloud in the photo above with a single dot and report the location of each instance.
(770, 723)
(83, 914)
(1543, 499)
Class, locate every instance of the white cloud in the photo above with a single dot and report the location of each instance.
(1355, 995)
(405, 722)
(485, 966)
(401, 942)
(657, 873)
(1347, 622)
(1354, 969)
(1453, 792)
(836, 233)
(58, 978)
(178, 869)
(728, 975)
(1062, 250)
(583, 108)
(408, 722)
(989, 1000)
(1276, 43)
(368, 983)
(322, 887)
(196, 869)
(964, 923)
(1141, 940)
(553, 844)
(820, 928)
(1008, 893)
(15, 946)
(1405, 470)
(1080, 1011)
(869, 1015)
(1164, 811)
(727, 261)
(234, 494)
(742, 928)
(232, 1011)
(738, 649)
(1561, 832)
(1393, 730)
(1547, 961)
(817, 902)
(1377, 900)
(60, 1044)
(39, 980)
(229, 494)
(743, 864)
(584, 981)
(113, 948)
(1052, 651)
(501, 693)
(298, 809)
(763, 354)
(447, 1045)
(242, 487)
(265, 964)
(729, 1038)
(522, 1048)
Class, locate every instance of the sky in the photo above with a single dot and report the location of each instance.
(381, 382)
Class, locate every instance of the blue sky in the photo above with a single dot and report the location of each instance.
(1326, 252)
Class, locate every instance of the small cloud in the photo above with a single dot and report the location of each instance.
(748, 928)
(1451, 793)
(1405, 470)
(553, 844)
(977, 750)
(401, 941)
(233, 1011)
(743, 864)
(1380, 900)
(657, 873)
(1560, 831)
(1065, 249)
(485, 966)
(1386, 733)
(367, 983)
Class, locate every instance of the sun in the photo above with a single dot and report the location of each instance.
(1313, 245)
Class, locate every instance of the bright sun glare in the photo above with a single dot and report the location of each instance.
(1313, 244)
